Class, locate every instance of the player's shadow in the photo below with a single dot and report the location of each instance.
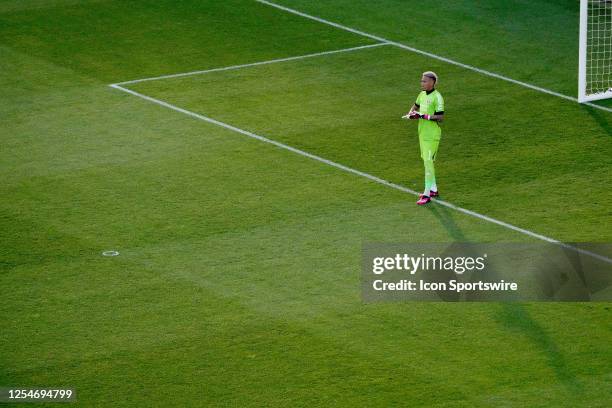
(457, 247)
(456, 234)
(445, 217)
(515, 316)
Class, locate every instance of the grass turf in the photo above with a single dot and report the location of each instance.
(238, 279)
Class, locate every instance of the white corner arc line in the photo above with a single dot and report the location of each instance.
(360, 173)
(428, 54)
(253, 64)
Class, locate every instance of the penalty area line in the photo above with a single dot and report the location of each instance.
(253, 64)
(358, 173)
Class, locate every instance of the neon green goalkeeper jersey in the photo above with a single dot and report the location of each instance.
(430, 103)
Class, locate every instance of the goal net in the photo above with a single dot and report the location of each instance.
(595, 59)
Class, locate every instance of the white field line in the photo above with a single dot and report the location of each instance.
(428, 54)
(253, 64)
(359, 173)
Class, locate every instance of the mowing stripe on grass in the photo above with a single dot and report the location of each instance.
(253, 64)
(428, 54)
(358, 173)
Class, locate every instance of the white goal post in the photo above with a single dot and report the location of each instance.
(595, 50)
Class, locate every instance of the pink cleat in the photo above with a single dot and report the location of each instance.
(433, 194)
(423, 199)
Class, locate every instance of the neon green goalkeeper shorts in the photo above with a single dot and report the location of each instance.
(429, 147)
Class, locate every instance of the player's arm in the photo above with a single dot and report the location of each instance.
(437, 117)
(414, 112)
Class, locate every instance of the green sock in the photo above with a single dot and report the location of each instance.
(430, 176)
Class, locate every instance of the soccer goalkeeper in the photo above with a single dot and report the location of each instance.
(429, 111)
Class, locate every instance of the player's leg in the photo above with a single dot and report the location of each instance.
(429, 149)
(433, 188)
(430, 176)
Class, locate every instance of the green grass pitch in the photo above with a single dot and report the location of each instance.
(237, 282)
